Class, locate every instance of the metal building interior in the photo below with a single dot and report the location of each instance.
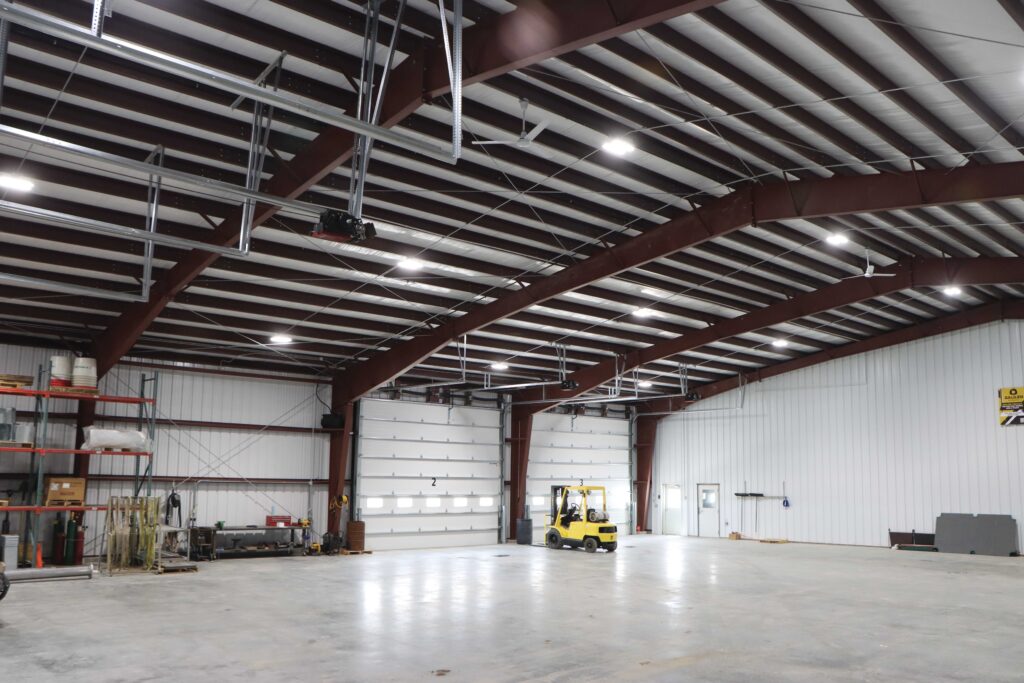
(506, 340)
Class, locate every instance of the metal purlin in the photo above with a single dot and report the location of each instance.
(453, 53)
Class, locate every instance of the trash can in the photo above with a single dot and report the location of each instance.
(524, 531)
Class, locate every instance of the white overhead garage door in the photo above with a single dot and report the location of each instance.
(567, 450)
(428, 476)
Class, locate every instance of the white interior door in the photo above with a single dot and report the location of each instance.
(672, 511)
(708, 511)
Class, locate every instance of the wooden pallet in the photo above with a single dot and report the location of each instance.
(774, 540)
(74, 390)
(16, 444)
(66, 503)
(346, 551)
(16, 381)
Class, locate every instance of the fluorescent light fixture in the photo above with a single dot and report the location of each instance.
(410, 264)
(643, 312)
(837, 239)
(499, 366)
(280, 339)
(645, 384)
(17, 183)
(620, 147)
(952, 290)
(780, 343)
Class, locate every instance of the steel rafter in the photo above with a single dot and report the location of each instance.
(752, 205)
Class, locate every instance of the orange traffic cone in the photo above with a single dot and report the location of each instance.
(39, 555)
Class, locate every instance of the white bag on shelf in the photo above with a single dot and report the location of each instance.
(97, 438)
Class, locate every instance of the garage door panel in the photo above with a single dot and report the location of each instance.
(582, 424)
(547, 454)
(426, 486)
(436, 433)
(417, 449)
(391, 467)
(581, 440)
(434, 413)
(571, 473)
(406, 523)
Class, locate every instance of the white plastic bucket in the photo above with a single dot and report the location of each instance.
(83, 373)
(60, 371)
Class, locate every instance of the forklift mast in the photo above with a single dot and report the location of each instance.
(556, 501)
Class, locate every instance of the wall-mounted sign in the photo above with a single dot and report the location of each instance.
(1011, 406)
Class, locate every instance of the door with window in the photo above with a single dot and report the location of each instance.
(672, 521)
(709, 519)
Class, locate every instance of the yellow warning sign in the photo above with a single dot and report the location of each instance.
(1011, 406)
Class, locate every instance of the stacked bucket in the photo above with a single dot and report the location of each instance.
(74, 373)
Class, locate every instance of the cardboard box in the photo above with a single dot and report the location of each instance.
(60, 490)
(735, 536)
(4, 502)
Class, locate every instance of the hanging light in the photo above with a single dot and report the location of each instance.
(17, 183)
(620, 147)
(643, 312)
(410, 264)
(837, 239)
(645, 384)
(499, 366)
(280, 339)
(952, 290)
(780, 343)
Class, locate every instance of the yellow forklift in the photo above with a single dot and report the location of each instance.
(579, 517)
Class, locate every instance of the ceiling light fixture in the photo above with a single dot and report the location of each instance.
(780, 343)
(952, 290)
(643, 312)
(410, 264)
(499, 366)
(837, 239)
(280, 339)
(645, 384)
(620, 147)
(17, 183)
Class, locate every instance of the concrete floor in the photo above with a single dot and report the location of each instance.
(664, 609)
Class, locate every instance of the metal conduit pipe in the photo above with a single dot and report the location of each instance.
(157, 170)
(220, 80)
(67, 220)
(49, 574)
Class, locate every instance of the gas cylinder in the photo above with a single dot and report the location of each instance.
(59, 540)
(69, 544)
(80, 546)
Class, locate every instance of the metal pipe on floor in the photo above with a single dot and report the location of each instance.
(49, 574)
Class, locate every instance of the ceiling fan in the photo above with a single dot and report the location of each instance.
(525, 140)
(869, 269)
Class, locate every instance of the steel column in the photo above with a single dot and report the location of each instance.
(521, 432)
(340, 447)
(646, 433)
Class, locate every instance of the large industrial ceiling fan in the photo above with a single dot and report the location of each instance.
(869, 269)
(525, 139)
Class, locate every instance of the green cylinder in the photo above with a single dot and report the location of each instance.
(69, 541)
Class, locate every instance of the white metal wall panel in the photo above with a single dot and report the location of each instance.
(566, 450)
(887, 440)
(191, 454)
(428, 475)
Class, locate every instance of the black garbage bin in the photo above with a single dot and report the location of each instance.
(524, 531)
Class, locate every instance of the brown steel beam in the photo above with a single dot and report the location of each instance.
(508, 42)
(521, 431)
(339, 450)
(915, 273)
(999, 310)
(750, 205)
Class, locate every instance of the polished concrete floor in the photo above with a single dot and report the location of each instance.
(665, 609)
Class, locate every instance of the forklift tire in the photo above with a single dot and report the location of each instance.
(610, 547)
(554, 540)
(590, 545)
